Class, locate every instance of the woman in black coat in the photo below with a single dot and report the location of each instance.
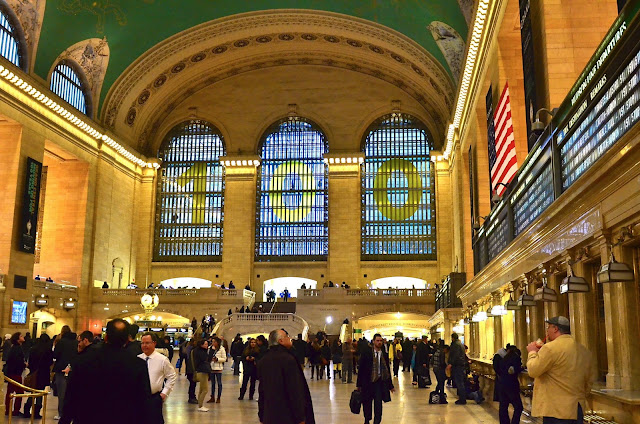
(249, 370)
(40, 360)
(325, 352)
(315, 358)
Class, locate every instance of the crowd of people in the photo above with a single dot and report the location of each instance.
(144, 376)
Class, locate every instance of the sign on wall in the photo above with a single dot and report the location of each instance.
(18, 312)
(30, 202)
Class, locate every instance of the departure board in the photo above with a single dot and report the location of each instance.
(534, 199)
(583, 141)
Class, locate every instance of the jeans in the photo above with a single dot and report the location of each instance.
(510, 397)
(236, 365)
(347, 371)
(203, 380)
(458, 375)
(216, 377)
(377, 404)
(246, 377)
(551, 420)
(192, 386)
(61, 386)
(440, 378)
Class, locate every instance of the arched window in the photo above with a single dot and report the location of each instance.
(12, 43)
(66, 83)
(398, 191)
(190, 195)
(292, 193)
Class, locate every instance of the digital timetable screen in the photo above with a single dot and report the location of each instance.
(18, 312)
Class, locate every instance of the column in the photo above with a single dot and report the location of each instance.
(583, 312)
(144, 223)
(536, 314)
(444, 221)
(614, 358)
(17, 145)
(520, 330)
(344, 218)
(239, 222)
(497, 324)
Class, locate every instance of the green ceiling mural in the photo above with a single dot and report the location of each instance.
(134, 26)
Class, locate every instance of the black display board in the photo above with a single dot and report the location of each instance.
(31, 198)
(529, 68)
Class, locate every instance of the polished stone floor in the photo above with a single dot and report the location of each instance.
(409, 405)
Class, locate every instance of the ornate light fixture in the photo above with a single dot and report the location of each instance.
(526, 300)
(572, 283)
(511, 304)
(498, 311)
(545, 294)
(615, 272)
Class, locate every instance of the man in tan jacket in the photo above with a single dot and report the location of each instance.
(563, 373)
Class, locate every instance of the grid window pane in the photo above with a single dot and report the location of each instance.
(291, 222)
(190, 199)
(398, 191)
(10, 47)
(66, 84)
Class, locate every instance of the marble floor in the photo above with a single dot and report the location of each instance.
(408, 405)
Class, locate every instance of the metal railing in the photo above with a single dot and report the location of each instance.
(33, 394)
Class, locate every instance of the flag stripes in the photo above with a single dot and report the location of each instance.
(505, 165)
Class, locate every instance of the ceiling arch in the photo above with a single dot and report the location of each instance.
(165, 77)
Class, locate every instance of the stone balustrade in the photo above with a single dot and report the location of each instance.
(235, 297)
(62, 288)
(340, 295)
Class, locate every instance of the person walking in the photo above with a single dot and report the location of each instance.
(249, 370)
(347, 361)
(315, 359)
(202, 367)
(439, 365)
(457, 365)
(63, 354)
(395, 355)
(162, 377)
(15, 367)
(218, 358)
(509, 369)
(237, 346)
(407, 348)
(563, 373)
(190, 371)
(374, 380)
(325, 353)
(336, 358)
(423, 354)
(283, 395)
(300, 349)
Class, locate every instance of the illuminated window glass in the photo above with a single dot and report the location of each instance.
(11, 46)
(65, 82)
(292, 193)
(398, 191)
(190, 195)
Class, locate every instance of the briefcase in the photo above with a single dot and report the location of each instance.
(356, 402)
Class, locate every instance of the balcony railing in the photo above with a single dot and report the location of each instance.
(63, 288)
(603, 105)
(340, 295)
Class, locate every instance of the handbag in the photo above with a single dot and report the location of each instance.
(324, 362)
(31, 379)
(355, 402)
(179, 363)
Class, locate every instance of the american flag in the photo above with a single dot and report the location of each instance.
(504, 164)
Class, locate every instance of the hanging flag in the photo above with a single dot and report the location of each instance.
(506, 164)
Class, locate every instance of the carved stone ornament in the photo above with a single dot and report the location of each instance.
(30, 14)
(226, 47)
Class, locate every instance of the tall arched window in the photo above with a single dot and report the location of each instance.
(190, 194)
(66, 83)
(12, 46)
(398, 191)
(292, 193)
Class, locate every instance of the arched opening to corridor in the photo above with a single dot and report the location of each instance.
(186, 283)
(399, 283)
(391, 324)
(290, 283)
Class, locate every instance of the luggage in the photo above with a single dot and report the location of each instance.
(437, 398)
(423, 381)
(355, 402)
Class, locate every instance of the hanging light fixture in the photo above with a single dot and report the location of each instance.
(545, 294)
(615, 272)
(479, 316)
(511, 304)
(572, 283)
(498, 311)
(526, 300)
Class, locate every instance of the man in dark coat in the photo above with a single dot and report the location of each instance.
(111, 375)
(284, 396)
(300, 349)
(374, 380)
(407, 348)
(64, 352)
(423, 353)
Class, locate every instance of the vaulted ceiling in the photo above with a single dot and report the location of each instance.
(132, 27)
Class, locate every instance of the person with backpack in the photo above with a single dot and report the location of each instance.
(439, 364)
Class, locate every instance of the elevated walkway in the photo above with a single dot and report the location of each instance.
(260, 323)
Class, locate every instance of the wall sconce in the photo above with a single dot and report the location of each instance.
(495, 197)
(42, 301)
(476, 221)
(572, 283)
(545, 294)
(539, 125)
(70, 304)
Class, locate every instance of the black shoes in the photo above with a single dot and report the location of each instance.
(193, 401)
(461, 402)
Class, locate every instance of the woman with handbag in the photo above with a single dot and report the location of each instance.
(218, 358)
(202, 366)
(40, 360)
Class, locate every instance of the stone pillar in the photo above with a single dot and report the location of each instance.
(611, 323)
(497, 325)
(344, 220)
(239, 224)
(536, 314)
(17, 145)
(145, 222)
(520, 327)
(583, 314)
(444, 224)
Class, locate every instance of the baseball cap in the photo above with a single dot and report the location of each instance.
(560, 321)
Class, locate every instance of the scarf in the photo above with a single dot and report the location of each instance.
(383, 372)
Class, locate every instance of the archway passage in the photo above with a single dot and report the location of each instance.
(410, 325)
(278, 285)
(186, 283)
(399, 283)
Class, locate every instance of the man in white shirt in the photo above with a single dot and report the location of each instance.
(162, 376)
